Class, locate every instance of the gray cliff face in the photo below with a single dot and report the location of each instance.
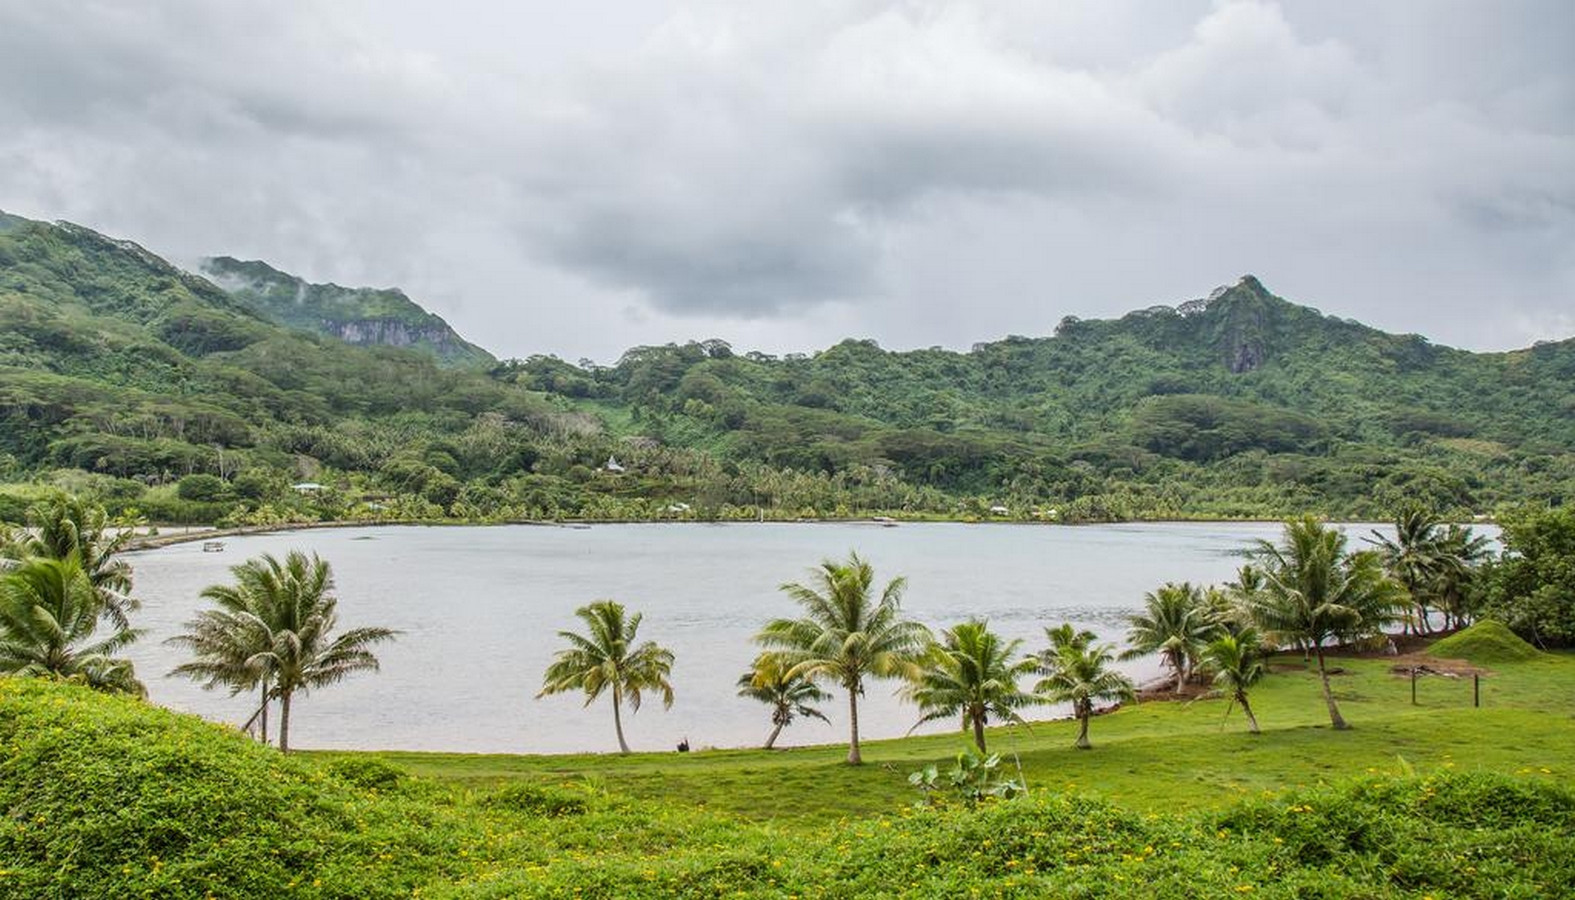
(365, 317)
(392, 333)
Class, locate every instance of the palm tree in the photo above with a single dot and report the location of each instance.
(229, 642)
(1315, 593)
(1460, 552)
(1237, 663)
(1063, 636)
(49, 612)
(1078, 672)
(788, 695)
(971, 673)
(846, 635)
(1413, 558)
(1174, 623)
(284, 614)
(62, 526)
(607, 657)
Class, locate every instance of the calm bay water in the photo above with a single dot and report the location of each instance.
(480, 608)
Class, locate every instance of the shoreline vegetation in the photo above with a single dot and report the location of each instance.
(1411, 687)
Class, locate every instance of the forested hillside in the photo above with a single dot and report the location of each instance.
(164, 395)
(364, 316)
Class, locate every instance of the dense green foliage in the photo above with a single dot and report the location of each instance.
(113, 798)
(1532, 587)
(114, 363)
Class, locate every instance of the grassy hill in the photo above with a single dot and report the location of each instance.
(157, 392)
(110, 797)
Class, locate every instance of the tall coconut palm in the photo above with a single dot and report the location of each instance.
(63, 526)
(847, 635)
(285, 614)
(1080, 673)
(1316, 594)
(1237, 663)
(1461, 553)
(49, 616)
(769, 681)
(1414, 558)
(607, 657)
(1176, 624)
(972, 673)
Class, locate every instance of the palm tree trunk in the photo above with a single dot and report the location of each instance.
(1335, 718)
(1180, 666)
(262, 729)
(978, 732)
(773, 738)
(623, 746)
(1084, 713)
(1252, 720)
(854, 758)
(284, 722)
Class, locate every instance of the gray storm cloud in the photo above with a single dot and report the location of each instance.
(577, 180)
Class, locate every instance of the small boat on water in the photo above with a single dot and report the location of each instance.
(213, 546)
(884, 521)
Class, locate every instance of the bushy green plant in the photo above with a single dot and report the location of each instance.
(972, 779)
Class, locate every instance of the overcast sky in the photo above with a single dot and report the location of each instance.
(577, 178)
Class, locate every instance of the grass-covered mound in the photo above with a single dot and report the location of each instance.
(106, 797)
(1485, 643)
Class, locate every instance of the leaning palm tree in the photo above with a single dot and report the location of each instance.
(228, 644)
(1237, 663)
(49, 614)
(1175, 623)
(63, 526)
(769, 681)
(284, 614)
(846, 635)
(1318, 595)
(607, 657)
(972, 673)
(1079, 673)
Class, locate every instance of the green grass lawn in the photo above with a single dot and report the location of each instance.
(1160, 757)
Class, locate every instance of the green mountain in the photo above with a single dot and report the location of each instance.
(124, 377)
(361, 316)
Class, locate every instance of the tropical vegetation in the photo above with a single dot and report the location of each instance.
(1175, 623)
(1236, 663)
(789, 694)
(162, 395)
(608, 657)
(274, 630)
(50, 621)
(972, 673)
(1079, 672)
(1315, 594)
(847, 635)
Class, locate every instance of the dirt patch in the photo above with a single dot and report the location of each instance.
(1154, 693)
(1432, 665)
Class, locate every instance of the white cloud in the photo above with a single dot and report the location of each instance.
(784, 175)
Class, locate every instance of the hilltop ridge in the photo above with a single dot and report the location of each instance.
(140, 376)
(360, 316)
